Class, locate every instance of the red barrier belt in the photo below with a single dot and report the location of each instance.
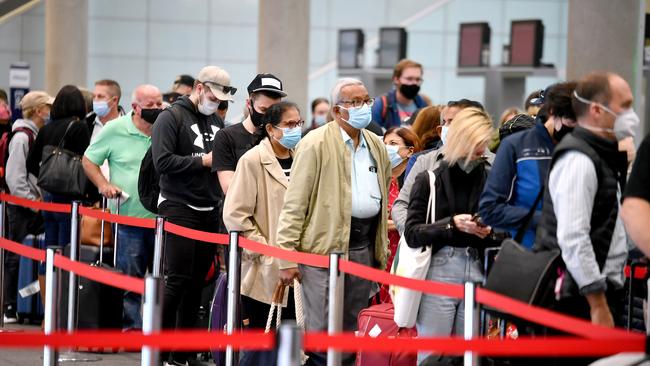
(314, 260)
(549, 318)
(98, 274)
(195, 340)
(22, 250)
(36, 205)
(196, 234)
(373, 274)
(640, 273)
(118, 219)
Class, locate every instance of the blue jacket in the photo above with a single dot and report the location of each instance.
(391, 119)
(519, 171)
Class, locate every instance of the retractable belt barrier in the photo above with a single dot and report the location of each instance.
(599, 340)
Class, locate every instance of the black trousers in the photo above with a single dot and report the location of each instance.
(21, 222)
(187, 262)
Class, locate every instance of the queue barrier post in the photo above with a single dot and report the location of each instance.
(234, 272)
(3, 217)
(289, 344)
(152, 317)
(50, 356)
(472, 318)
(159, 247)
(335, 316)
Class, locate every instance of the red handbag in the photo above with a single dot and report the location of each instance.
(377, 321)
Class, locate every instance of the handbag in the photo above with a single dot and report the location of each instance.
(61, 171)
(91, 228)
(412, 263)
(270, 357)
(522, 274)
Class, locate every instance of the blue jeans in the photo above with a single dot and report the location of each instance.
(134, 255)
(57, 227)
(443, 316)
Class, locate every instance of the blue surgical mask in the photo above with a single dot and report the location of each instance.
(101, 108)
(320, 119)
(359, 118)
(290, 137)
(393, 155)
(443, 134)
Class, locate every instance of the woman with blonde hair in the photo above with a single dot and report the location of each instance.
(455, 233)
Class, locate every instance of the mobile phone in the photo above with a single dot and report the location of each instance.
(477, 219)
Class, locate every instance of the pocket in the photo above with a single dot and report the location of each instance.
(441, 258)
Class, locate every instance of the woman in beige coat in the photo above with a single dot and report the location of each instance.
(253, 206)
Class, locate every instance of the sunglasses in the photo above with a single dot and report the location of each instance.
(225, 88)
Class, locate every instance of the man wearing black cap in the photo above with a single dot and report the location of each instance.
(232, 142)
(183, 85)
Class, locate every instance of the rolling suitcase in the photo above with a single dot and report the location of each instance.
(377, 321)
(99, 306)
(218, 315)
(28, 302)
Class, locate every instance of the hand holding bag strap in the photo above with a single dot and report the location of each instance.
(529, 216)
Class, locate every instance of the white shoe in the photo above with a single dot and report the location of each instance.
(173, 363)
(10, 319)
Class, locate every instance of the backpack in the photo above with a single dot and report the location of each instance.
(4, 152)
(148, 177)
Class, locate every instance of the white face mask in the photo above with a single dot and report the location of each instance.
(625, 125)
(443, 134)
(207, 107)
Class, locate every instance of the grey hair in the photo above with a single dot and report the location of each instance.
(140, 89)
(340, 84)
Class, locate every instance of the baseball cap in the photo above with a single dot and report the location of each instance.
(266, 82)
(34, 99)
(218, 80)
(185, 80)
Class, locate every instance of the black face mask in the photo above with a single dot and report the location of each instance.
(409, 91)
(256, 116)
(558, 135)
(150, 114)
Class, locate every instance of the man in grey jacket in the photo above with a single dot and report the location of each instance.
(22, 221)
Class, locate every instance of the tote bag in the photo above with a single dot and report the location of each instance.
(412, 263)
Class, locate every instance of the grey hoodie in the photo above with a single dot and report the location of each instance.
(21, 183)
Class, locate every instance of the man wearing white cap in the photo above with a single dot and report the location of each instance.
(181, 146)
(35, 107)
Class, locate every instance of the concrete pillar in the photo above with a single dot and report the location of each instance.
(66, 43)
(283, 46)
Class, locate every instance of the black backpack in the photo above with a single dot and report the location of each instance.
(148, 177)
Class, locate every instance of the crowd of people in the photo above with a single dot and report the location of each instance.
(355, 179)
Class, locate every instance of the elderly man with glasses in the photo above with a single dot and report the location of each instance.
(336, 202)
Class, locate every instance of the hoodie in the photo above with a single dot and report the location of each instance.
(177, 148)
(20, 182)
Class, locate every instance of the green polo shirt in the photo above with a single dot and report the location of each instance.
(123, 146)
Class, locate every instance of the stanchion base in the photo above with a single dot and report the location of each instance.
(78, 357)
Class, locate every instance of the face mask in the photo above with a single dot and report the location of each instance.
(468, 167)
(409, 91)
(207, 107)
(358, 118)
(101, 108)
(393, 155)
(625, 125)
(290, 137)
(256, 117)
(320, 119)
(564, 130)
(443, 134)
(150, 114)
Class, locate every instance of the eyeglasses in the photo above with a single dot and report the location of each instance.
(225, 88)
(358, 103)
(292, 124)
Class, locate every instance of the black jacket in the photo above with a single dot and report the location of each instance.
(177, 148)
(611, 166)
(457, 192)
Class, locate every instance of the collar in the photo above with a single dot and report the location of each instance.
(97, 121)
(130, 125)
(347, 138)
(543, 131)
